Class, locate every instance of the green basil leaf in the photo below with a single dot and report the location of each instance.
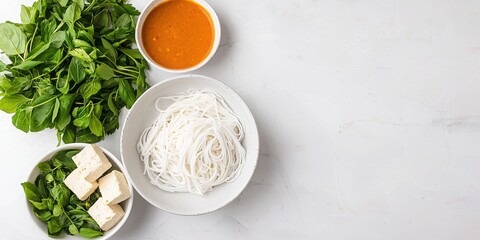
(39, 205)
(50, 203)
(76, 71)
(61, 157)
(27, 65)
(40, 6)
(109, 50)
(69, 39)
(57, 210)
(13, 40)
(29, 29)
(47, 28)
(96, 126)
(73, 229)
(49, 178)
(89, 67)
(80, 54)
(63, 220)
(63, 85)
(85, 36)
(112, 83)
(80, 3)
(42, 100)
(27, 14)
(49, 56)
(64, 118)
(31, 191)
(142, 86)
(69, 155)
(44, 166)
(56, 108)
(10, 103)
(89, 89)
(124, 21)
(42, 187)
(126, 92)
(111, 105)
(72, 14)
(93, 53)
(88, 138)
(65, 159)
(53, 226)
(19, 84)
(78, 214)
(42, 114)
(56, 59)
(74, 201)
(63, 3)
(78, 43)
(105, 72)
(89, 233)
(97, 110)
(57, 39)
(132, 53)
(111, 124)
(44, 86)
(5, 83)
(39, 49)
(131, 9)
(43, 215)
(61, 194)
(22, 119)
(60, 175)
(90, 223)
(82, 119)
(102, 21)
(69, 135)
(3, 66)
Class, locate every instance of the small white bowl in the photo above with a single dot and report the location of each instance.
(216, 41)
(142, 115)
(116, 164)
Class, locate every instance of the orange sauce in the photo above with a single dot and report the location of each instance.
(178, 34)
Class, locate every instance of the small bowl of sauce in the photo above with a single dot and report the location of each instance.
(178, 35)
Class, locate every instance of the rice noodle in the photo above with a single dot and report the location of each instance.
(194, 144)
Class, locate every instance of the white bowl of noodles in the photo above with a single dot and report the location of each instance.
(144, 112)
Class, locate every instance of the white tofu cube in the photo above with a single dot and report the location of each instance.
(114, 187)
(107, 216)
(81, 187)
(91, 162)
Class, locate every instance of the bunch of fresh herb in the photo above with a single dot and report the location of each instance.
(72, 67)
(55, 204)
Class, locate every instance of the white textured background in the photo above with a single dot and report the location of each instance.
(369, 119)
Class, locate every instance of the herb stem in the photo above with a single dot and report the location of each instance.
(40, 104)
(39, 76)
(31, 40)
(129, 70)
(63, 210)
(59, 26)
(90, 6)
(60, 63)
(123, 73)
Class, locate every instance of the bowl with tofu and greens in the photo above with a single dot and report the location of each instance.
(78, 191)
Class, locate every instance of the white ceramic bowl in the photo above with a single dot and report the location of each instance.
(141, 116)
(116, 164)
(138, 36)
